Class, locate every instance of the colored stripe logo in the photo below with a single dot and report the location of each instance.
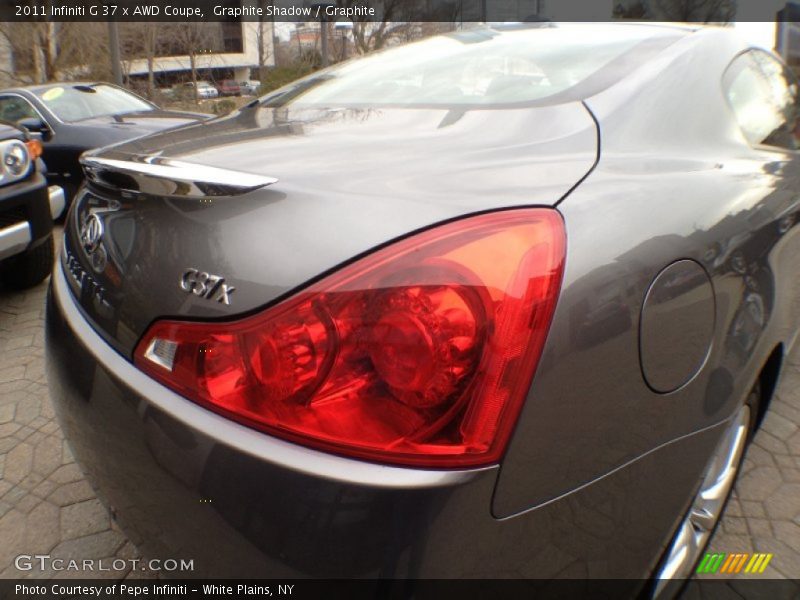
(732, 563)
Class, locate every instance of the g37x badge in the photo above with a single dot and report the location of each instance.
(206, 285)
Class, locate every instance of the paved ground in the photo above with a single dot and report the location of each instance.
(45, 505)
(764, 513)
(47, 508)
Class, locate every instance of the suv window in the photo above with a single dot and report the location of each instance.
(763, 94)
(14, 108)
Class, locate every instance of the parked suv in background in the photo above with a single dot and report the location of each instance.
(27, 210)
(229, 87)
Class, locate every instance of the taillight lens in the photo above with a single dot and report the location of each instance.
(421, 354)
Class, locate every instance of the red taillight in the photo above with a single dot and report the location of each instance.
(419, 354)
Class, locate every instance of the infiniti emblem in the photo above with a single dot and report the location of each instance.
(91, 233)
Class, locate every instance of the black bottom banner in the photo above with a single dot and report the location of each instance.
(464, 589)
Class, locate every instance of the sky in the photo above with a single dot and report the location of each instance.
(759, 34)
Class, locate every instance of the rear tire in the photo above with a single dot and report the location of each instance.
(754, 402)
(703, 518)
(29, 268)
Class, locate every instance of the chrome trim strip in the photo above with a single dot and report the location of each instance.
(249, 441)
(57, 201)
(14, 239)
(163, 176)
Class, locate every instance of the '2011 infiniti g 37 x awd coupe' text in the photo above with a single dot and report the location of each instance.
(504, 302)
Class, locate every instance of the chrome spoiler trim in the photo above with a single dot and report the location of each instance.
(165, 177)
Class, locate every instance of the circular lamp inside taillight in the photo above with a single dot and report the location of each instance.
(425, 342)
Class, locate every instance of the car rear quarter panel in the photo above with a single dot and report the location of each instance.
(675, 181)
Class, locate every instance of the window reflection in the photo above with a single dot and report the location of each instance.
(764, 96)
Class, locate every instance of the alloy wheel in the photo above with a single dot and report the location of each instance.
(698, 525)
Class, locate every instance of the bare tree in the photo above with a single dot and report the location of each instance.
(417, 31)
(341, 44)
(151, 44)
(369, 35)
(266, 45)
(194, 38)
(34, 47)
(77, 58)
(628, 9)
(45, 45)
(398, 22)
(698, 11)
(44, 51)
(143, 40)
(20, 63)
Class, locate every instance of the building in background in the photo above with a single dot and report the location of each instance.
(216, 51)
(37, 52)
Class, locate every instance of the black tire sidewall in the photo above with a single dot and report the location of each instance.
(30, 267)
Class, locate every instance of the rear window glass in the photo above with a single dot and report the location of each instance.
(485, 67)
(765, 97)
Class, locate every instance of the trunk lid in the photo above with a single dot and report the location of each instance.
(348, 180)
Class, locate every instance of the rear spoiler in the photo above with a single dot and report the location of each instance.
(165, 177)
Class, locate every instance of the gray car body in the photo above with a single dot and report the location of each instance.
(651, 171)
